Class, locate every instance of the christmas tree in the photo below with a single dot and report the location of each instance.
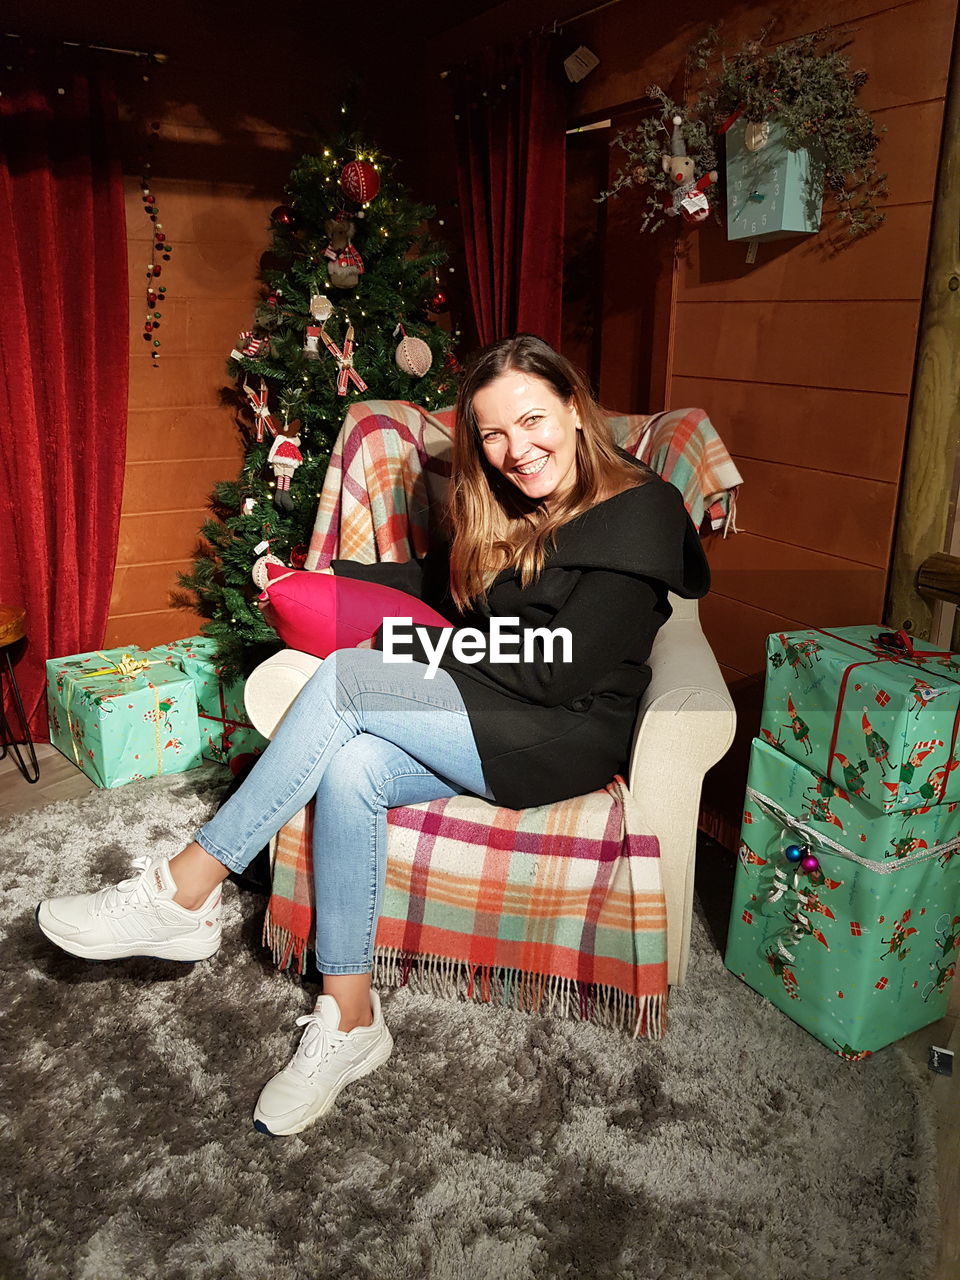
(349, 262)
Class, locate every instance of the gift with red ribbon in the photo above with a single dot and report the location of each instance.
(225, 730)
(344, 361)
(875, 711)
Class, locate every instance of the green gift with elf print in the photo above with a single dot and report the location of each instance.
(122, 715)
(225, 729)
(845, 918)
(875, 711)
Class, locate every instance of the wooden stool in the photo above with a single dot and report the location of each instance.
(12, 629)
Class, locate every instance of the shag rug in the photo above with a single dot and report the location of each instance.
(493, 1144)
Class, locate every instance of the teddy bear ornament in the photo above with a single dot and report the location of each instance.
(344, 265)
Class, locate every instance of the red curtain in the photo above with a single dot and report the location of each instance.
(511, 120)
(63, 364)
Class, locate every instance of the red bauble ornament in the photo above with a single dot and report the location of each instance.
(298, 555)
(438, 302)
(360, 181)
(283, 216)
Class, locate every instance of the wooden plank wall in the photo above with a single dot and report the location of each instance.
(804, 360)
(180, 439)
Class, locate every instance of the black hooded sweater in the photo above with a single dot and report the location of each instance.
(549, 730)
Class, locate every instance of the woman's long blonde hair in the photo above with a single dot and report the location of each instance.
(492, 524)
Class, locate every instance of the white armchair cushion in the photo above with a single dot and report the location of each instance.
(272, 687)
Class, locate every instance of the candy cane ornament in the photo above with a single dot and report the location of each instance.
(344, 361)
(260, 408)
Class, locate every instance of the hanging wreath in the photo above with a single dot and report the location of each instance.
(808, 88)
(671, 157)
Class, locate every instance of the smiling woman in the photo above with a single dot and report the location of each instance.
(528, 434)
(525, 691)
(531, 452)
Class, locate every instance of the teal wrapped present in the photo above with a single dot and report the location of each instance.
(122, 715)
(846, 919)
(225, 729)
(873, 710)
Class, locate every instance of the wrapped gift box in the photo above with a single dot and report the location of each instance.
(225, 730)
(861, 949)
(874, 711)
(122, 715)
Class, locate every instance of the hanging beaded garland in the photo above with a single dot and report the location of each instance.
(160, 252)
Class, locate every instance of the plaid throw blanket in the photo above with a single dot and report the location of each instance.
(682, 446)
(552, 910)
(556, 908)
(392, 460)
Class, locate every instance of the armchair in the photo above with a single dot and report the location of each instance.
(686, 718)
(685, 725)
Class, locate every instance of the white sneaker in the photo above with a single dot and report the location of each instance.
(137, 917)
(326, 1061)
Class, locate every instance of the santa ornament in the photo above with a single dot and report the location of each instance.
(360, 181)
(284, 457)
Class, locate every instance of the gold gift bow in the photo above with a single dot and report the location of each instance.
(127, 666)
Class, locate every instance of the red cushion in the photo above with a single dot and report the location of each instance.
(319, 612)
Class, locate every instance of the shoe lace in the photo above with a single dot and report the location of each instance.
(132, 892)
(317, 1044)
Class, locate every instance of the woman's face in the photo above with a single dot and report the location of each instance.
(528, 433)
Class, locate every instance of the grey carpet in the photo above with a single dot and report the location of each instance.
(493, 1144)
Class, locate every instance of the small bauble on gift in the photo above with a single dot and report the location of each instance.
(413, 356)
(360, 181)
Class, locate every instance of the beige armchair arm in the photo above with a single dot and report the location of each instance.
(687, 722)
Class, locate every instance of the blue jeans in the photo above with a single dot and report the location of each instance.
(363, 736)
